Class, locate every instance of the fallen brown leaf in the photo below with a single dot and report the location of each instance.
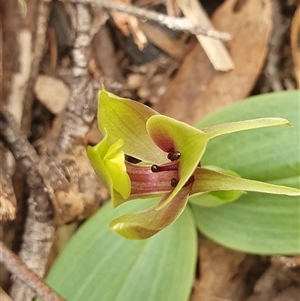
(197, 89)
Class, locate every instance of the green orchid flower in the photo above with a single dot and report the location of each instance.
(169, 154)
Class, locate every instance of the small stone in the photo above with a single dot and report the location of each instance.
(52, 93)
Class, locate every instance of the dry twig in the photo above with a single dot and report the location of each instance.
(20, 270)
(81, 107)
(39, 230)
(179, 24)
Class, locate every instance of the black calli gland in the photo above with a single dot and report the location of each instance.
(167, 167)
(173, 156)
(174, 182)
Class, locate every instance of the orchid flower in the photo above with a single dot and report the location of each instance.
(169, 154)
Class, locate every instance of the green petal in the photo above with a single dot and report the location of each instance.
(216, 198)
(170, 134)
(144, 224)
(208, 180)
(109, 165)
(126, 119)
(120, 179)
(231, 127)
(96, 154)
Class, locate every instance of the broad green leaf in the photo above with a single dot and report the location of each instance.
(257, 223)
(98, 264)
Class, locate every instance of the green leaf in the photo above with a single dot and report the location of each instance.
(98, 264)
(257, 223)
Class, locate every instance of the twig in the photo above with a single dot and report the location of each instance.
(178, 24)
(81, 107)
(27, 158)
(31, 279)
(39, 230)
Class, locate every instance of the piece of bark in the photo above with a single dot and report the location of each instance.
(10, 23)
(197, 89)
(38, 16)
(7, 197)
(23, 45)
